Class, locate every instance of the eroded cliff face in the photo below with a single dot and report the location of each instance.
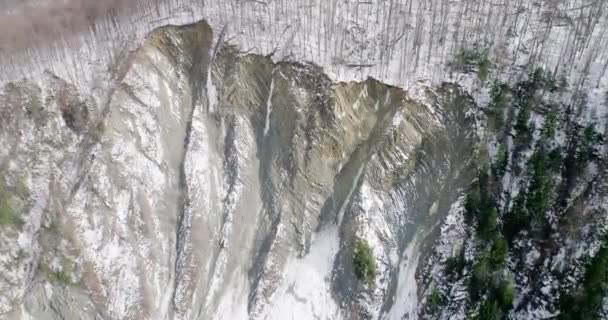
(208, 183)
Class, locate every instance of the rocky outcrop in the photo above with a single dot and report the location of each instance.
(209, 183)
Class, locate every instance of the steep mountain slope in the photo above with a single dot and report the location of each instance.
(216, 184)
(245, 166)
(528, 240)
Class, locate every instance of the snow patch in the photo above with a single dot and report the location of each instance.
(269, 107)
(406, 297)
(305, 292)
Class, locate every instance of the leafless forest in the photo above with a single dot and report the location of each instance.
(397, 41)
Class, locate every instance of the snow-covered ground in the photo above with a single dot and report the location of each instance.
(398, 41)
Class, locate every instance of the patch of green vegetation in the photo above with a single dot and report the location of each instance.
(499, 251)
(479, 204)
(436, 300)
(454, 266)
(525, 100)
(364, 262)
(555, 160)
(472, 56)
(480, 278)
(488, 222)
(65, 275)
(498, 90)
(540, 190)
(486, 278)
(543, 79)
(550, 125)
(471, 203)
(517, 220)
(531, 204)
(498, 301)
(8, 214)
(483, 67)
(501, 160)
(489, 310)
(475, 58)
(583, 147)
(586, 302)
(34, 105)
(62, 276)
(506, 294)
(523, 130)
(498, 102)
(588, 145)
(528, 212)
